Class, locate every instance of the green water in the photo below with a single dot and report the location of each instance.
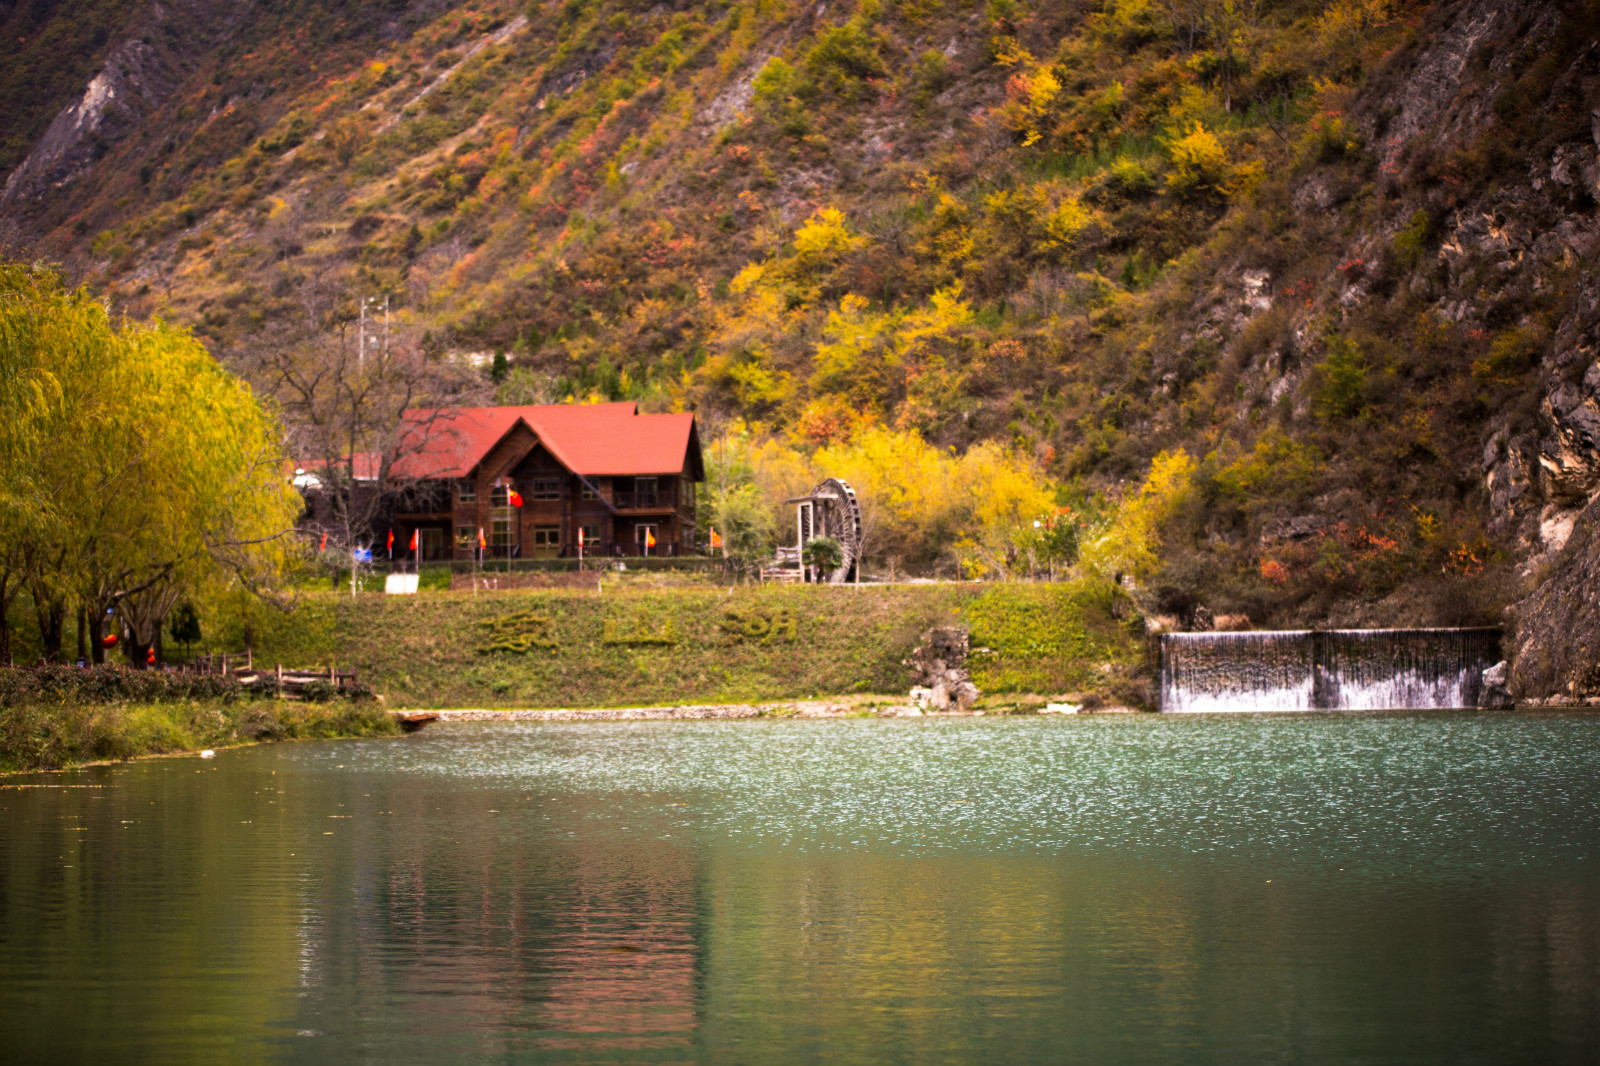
(1263, 888)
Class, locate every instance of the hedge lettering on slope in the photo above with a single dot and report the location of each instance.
(516, 634)
(761, 625)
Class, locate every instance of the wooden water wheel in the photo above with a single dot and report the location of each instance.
(832, 510)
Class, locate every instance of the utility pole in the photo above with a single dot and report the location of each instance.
(361, 335)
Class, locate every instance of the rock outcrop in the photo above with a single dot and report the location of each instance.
(1557, 644)
(940, 679)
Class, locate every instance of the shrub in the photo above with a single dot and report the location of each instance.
(1340, 382)
(1411, 242)
(1199, 163)
(1511, 354)
(823, 554)
(843, 58)
(319, 691)
(59, 684)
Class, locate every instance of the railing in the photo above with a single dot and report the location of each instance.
(289, 682)
(638, 500)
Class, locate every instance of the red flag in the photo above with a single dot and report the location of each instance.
(649, 539)
(391, 542)
(414, 534)
(514, 497)
(481, 543)
(580, 536)
(324, 546)
(716, 541)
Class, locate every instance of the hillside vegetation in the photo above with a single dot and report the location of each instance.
(1328, 264)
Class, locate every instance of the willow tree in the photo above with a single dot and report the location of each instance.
(143, 470)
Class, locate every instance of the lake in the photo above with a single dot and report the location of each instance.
(1365, 888)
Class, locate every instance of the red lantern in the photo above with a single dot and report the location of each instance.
(150, 657)
(110, 641)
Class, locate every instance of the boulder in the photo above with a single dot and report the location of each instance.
(1496, 692)
(939, 676)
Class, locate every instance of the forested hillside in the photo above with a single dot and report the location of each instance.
(1328, 264)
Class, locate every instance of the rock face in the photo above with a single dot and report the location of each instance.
(1558, 626)
(116, 100)
(939, 677)
(1496, 692)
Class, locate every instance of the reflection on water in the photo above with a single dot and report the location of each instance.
(1374, 888)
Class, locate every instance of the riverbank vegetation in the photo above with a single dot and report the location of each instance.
(48, 736)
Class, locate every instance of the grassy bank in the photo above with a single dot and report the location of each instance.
(47, 737)
(619, 647)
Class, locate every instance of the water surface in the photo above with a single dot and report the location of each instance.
(1294, 888)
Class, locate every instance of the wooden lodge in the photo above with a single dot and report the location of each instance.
(619, 476)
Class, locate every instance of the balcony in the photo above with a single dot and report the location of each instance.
(649, 500)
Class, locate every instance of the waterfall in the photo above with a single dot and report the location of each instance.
(1326, 670)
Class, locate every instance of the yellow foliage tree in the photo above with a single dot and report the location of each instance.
(1005, 494)
(1199, 161)
(825, 237)
(1129, 542)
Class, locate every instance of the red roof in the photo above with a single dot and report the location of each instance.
(595, 440)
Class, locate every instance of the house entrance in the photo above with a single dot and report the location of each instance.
(546, 542)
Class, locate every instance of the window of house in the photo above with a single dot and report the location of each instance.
(466, 538)
(589, 492)
(644, 490)
(547, 536)
(545, 488)
(466, 491)
(502, 518)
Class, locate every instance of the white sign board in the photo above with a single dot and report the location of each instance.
(400, 584)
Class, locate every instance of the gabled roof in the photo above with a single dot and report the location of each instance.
(595, 440)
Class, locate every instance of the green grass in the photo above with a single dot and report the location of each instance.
(694, 645)
(47, 737)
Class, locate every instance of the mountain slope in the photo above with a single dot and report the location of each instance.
(1338, 254)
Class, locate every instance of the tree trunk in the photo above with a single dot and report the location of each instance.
(134, 652)
(83, 634)
(52, 616)
(97, 637)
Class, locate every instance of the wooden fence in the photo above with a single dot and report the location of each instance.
(291, 682)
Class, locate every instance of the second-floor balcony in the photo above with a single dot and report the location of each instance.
(643, 499)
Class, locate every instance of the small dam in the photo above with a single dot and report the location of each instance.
(1326, 670)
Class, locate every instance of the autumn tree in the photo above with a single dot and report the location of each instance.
(136, 467)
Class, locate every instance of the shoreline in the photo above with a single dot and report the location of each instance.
(841, 707)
